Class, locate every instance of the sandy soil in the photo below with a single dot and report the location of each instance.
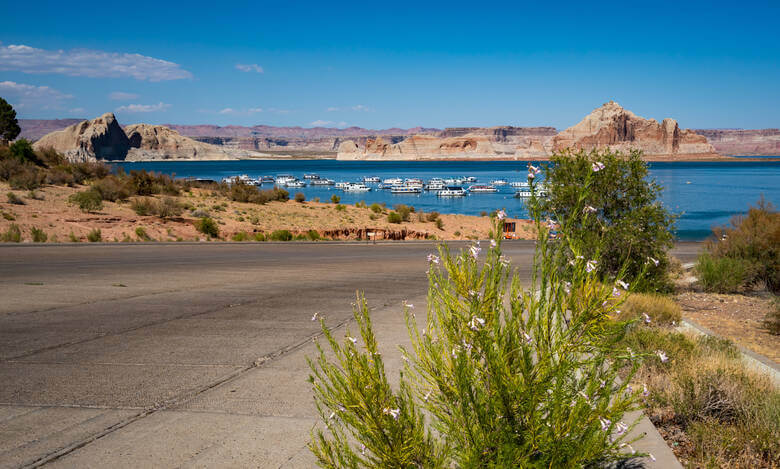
(736, 317)
(52, 213)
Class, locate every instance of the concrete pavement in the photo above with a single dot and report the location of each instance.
(184, 355)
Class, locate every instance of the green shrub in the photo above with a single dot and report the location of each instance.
(143, 206)
(620, 223)
(14, 199)
(34, 195)
(335, 199)
(433, 216)
(439, 224)
(168, 207)
(755, 239)
(73, 238)
(281, 235)
(722, 274)
(12, 235)
(8, 216)
(94, 236)
(394, 217)
(200, 213)
(772, 320)
(38, 235)
(23, 151)
(300, 197)
(376, 208)
(313, 235)
(111, 188)
(208, 227)
(141, 233)
(88, 201)
(240, 236)
(497, 377)
(404, 211)
(341, 207)
(259, 237)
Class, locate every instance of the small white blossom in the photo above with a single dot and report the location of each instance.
(475, 249)
(432, 258)
(622, 284)
(590, 266)
(392, 412)
(332, 415)
(590, 209)
(501, 214)
(363, 449)
(528, 339)
(408, 305)
(646, 317)
(654, 261)
(533, 169)
(476, 323)
(650, 455)
(567, 287)
(605, 423)
(615, 292)
(531, 175)
(427, 396)
(662, 356)
(316, 316)
(621, 428)
(352, 339)
(493, 243)
(633, 451)
(503, 261)
(645, 392)
(597, 166)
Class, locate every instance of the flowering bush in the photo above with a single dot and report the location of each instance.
(496, 376)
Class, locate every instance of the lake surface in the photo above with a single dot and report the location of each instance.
(702, 194)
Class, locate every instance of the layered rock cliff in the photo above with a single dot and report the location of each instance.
(764, 142)
(104, 139)
(611, 126)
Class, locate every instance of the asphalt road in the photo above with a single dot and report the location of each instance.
(185, 354)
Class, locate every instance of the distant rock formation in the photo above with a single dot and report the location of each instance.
(611, 126)
(155, 142)
(104, 139)
(33, 129)
(100, 138)
(764, 142)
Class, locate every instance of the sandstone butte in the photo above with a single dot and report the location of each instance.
(104, 139)
(609, 126)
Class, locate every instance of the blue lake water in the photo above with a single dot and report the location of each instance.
(702, 194)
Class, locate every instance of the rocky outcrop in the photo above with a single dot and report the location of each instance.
(100, 138)
(611, 126)
(155, 142)
(763, 142)
(104, 139)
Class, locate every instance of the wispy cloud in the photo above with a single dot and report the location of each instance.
(250, 68)
(324, 123)
(357, 107)
(333, 109)
(32, 97)
(122, 96)
(229, 110)
(143, 107)
(77, 111)
(360, 107)
(88, 63)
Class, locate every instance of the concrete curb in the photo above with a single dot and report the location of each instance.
(752, 360)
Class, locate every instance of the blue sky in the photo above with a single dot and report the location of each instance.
(394, 64)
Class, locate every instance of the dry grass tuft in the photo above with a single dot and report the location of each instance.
(661, 309)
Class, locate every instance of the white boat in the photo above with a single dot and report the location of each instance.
(434, 186)
(498, 182)
(470, 179)
(371, 179)
(477, 188)
(526, 194)
(405, 190)
(294, 183)
(382, 185)
(311, 176)
(342, 185)
(520, 184)
(322, 182)
(283, 179)
(267, 179)
(452, 191)
(393, 181)
(358, 187)
(240, 179)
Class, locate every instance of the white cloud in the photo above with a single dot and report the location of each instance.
(279, 111)
(250, 68)
(321, 123)
(88, 63)
(32, 97)
(227, 110)
(360, 107)
(143, 107)
(254, 110)
(122, 96)
(333, 109)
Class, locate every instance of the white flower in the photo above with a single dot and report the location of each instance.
(622, 284)
(533, 169)
(493, 243)
(650, 455)
(590, 266)
(316, 316)
(647, 318)
(531, 175)
(363, 449)
(332, 415)
(550, 224)
(475, 249)
(645, 392)
(615, 292)
(501, 214)
(503, 261)
(352, 339)
(605, 423)
(567, 287)
(427, 396)
(476, 323)
(654, 261)
(408, 305)
(633, 451)
(432, 258)
(662, 356)
(621, 428)
(590, 209)
(392, 412)
(528, 339)
(597, 166)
